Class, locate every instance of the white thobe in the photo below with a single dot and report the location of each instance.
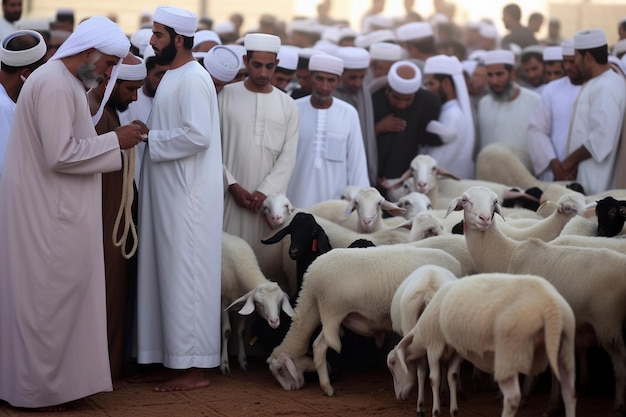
(53, 330)
(180, 225)
(137, 110)
(259, 142)
(506, 123)
(6, 27)
(549, 125)
(7, 109)
(455, 155)
(596, 124)
(330, 156)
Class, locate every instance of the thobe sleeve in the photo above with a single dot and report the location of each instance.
(277, 179)
(356, 160)
(609, 115)
(540, 144)
(190, 138)
(64, 152)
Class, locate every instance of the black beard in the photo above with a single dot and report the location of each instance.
(166, 55)
(505, 94)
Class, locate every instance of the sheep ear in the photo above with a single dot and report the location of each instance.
(397, 182)
(248, 301)
(286, 306)
(323, 243)
(278, 236)
(401, 351)
(455, 205)
(444, 173)
(392, 208)
(498, 209)
(407, 225)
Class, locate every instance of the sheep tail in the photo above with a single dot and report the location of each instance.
(553, 329)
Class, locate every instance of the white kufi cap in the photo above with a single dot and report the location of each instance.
(326, 63)
(488, 31)
(414, 31)
(261, 42)
(367, 39)
(287, 58)
(443, 64)
(202, 36)
(25, 57)
(354, 57)
(568, 47)
(499, 56)
(182, 21)
(141, 39)
(240, 51)
(384, 51)
(553, 53)
(404, 85)
(589, 39)
(222, 63)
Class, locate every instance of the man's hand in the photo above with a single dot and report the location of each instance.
(128, 136)
(560, 173)
(241, 196)
(142, 126)
(257, 201)
(390, 124)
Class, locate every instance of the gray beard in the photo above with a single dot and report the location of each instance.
(505, 95)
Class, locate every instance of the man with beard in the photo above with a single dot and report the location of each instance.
(180, 215)
(330, 153)
(443, 75)
(11, 11)
(598, 115)
(116, 266)
(503, 114)
(549, 123)
(53, 337)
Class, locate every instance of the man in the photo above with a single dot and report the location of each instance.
(443, 75)
(285, 69)
(352, 90)
(535, 21)
(503, 114)
(402, 111)
(116, 265)
(518, 34)
(242, 74)
(597, 117)
(302, 72)
(259, 139)
(11, 13)
(553, 63)
(532, 68)
(20, 54)
(418, 40)
(383, 55)
(549, 123)
(53, 340)
(330, 153)
(222, 64)
(554, 33)
(180, 215)
(204, 40)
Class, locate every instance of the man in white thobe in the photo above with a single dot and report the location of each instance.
(259, 139)
(503, 114)
(443, 75)
(330, 154)
(53, 334)
(549, 123)
(180, 215)
(11, 13)
(20, 53)
(597, 117)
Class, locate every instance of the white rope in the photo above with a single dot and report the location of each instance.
(126, 204)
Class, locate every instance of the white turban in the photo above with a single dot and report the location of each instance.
(97, 32)
(141, 39)
(404, 85)
(589, 39)
(354, 57)
(326, 63)
(488, 31)
(568, 47)
(414, 31)
(326, 47)
(202, 36)
(499, 56)
(24, 57)
(553, 53)
(133, 72)
(240, 51)
(287, 58)
(261, 42)
(222, 63)
(225, 28)
(368, 39)
(469, 66)
(384, 51)
(182, 21)
(477, 55)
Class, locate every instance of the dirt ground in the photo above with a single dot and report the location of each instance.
(358, 393)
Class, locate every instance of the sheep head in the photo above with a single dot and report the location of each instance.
(414, 203)
(307, 236)
(267, 299)
(369, 204)
(288, 371)
(611, 216)
(479, 204)
(276, 209)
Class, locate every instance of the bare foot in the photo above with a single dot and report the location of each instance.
(185, 380)
(153, 374)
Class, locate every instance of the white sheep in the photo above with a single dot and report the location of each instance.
(277, 210)
(351, 288)
(414, 203)
(244, 283)
(597, 298)
(350, 191)
(454, 245)
(504, 324)
(409, 301)
(369, 205)
(424, 225)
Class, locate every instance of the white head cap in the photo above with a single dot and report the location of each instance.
(488, 31)
(553, 53)
(499, 56)
(141, 39)
(182, 21)
(287, 58)
(354, 57)
(404, 85)
(224, 28)
(202, 36)
(568, 47)
(261, 42)
(24, 57)
(384, 51)
(477, 55)
(326, 46)
(368, 39)
(222, 63)
(133, 72)
(326, 63)
(376, 22)
(414, 31)
(469, 66)
(240, 51)
(589, 39)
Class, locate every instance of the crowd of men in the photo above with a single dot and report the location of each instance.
(185, 127)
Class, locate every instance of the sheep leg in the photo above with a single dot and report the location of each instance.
(453, 377)
(511, 391)
(320, 347)
(241, 349)
(568, 388)
(554, 404)
(421, 381)
(617, 352)
(435, 378)
(224, 366)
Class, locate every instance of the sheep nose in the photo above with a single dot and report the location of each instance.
(422, 185)
(274, 322)
(484, 218)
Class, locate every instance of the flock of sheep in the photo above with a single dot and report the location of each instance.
(510, 296)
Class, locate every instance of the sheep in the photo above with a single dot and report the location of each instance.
(409, 300)
(454, 245)
(611, 216)
(244, 283)
(414, 203)
(502, 323)
(598, 302)
(277, 210)
(350, 191)
(349, 287)
(424, 225)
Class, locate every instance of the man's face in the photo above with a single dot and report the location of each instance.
(12, 10)
(96, 70)
(435, 86)
(553, 70)
(582, 66)
(323, 84)
(380, 67)
(153, 79)
(569, 63)
(281, 80)
(498, 78)
(507, 20)
(621, 32)
(261, 67)
(479, 79)
(163, 44)
(399, 102)
(304, 78)
(124, 93)
(352, 80)
(533, 71)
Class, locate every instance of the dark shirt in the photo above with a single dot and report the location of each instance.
(299, 93)
(396, 150)
(521, 36)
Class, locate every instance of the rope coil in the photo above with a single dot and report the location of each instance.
(128, 175)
